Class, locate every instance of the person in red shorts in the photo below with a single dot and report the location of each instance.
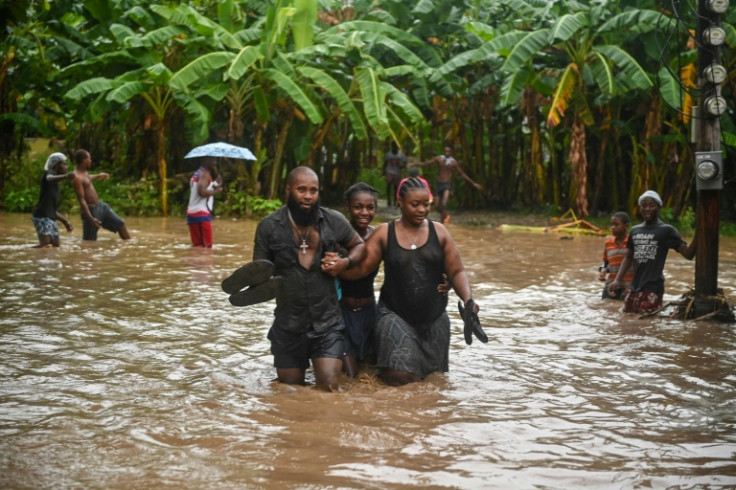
(204, 184)
(648, 245)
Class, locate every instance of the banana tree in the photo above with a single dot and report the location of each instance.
(281, 69)
(248, 69)
(575, 53)
(383, 64)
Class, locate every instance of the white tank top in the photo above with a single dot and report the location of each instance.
(199, 205)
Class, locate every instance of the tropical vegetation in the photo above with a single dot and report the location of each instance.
(549, 104)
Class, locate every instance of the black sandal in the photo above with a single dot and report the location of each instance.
(251, 274)
(259, 293)
(472, 323)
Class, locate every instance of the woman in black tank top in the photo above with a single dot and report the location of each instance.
(413, 329)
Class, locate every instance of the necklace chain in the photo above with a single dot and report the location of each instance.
(304, 237)
(412, 240)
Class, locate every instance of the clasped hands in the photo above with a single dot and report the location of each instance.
(333, 264)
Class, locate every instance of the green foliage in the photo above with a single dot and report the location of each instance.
(685, 223)
(260, 207)
(236, 202)
(20, 200)
(374, 176)
(278, 77)
(240, 203)
(728, 229)
(138, 198)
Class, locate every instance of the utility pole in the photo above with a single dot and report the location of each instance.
(708, 155)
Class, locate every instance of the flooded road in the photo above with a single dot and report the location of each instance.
(123, 365)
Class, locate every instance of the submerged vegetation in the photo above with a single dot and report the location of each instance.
(549, 105)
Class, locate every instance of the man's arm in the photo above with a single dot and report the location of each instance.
(688, 251)
(100, 176)
(603, 268)
(465, 176)
(373, 256)
(59, 177)
(261, 250)
(454, 268)
(333, 264)
(64, 221)
(204, 181)
(422, 164)
(356, 253)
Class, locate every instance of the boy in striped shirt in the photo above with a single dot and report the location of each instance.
(614, 251)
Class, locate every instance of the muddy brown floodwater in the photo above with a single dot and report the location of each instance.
(122, 365)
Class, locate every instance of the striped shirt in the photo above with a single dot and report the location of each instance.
(613, 255)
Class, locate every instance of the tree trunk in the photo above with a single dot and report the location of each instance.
(600, 166)
(273, 190)
(257, 165)
(535, 163)
(319, 138)
(554, 173)
(161, 159)
(579, 166)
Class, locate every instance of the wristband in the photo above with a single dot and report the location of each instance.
(350, 263)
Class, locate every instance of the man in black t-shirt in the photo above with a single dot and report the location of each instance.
(45, 213)
(648, 245)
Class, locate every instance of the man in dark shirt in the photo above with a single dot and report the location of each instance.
(308, 323)
(46, 213)
(648, 245)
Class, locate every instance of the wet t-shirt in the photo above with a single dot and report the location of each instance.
(49, 198)
(651, 245)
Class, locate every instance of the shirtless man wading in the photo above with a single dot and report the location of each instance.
(95, 213)
(447, 165)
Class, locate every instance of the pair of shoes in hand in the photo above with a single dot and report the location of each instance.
(472, 323)
(256, 278)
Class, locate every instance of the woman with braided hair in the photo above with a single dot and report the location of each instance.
(357, 302)
(413, 328)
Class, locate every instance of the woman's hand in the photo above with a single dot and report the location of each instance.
(333, 264)
(444, 286)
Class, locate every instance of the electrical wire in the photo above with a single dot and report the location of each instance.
(671, 31)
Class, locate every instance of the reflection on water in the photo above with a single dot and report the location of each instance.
(123, 365)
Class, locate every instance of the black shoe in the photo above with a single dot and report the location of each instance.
(258, 293)
(472, 323)
(251, 274)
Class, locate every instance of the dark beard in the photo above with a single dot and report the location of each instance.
(300, 216)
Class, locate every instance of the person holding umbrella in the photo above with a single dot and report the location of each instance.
(203, 185)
